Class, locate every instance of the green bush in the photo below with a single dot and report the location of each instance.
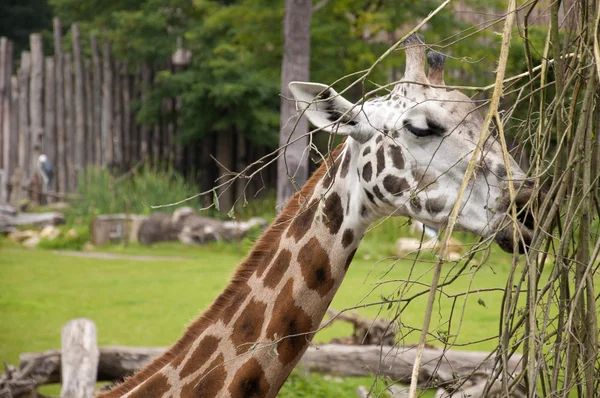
(66, 241)
(101, 192)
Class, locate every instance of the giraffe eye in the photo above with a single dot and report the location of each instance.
(432, 129)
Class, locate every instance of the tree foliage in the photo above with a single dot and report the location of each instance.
(232, 82)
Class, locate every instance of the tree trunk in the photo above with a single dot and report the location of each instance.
(79, 359)
(80, 122)
(49, 142)
(292, 167)
(107, 106)
(60, 165)
(24, 132)
(97, 100)
(69, 122)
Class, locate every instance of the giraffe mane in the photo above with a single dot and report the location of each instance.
(263, 248)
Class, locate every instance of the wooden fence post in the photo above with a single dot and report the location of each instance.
(49, 142)
(144, 129)
(3, 96)
(79, 359)
(24, 133)
(36, 101)
(118, 116)
(127, 128)
(60, 164)
(9, 141)
(69, 121)
(89, 112)
(13, 126)
(80, 122)
(107, 105)
(97, 101)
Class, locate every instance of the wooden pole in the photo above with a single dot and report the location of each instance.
(107, 106)
(80, 121)
(89, 114)
(127, 127)
(69, 122)
(118, 116)
(13, 126)
(3, 100)
(24, 134)
(97, 101)
(36, 100)
(49, 142)
(79, 359)
(60, 164)
(144, 129)
(9, 140)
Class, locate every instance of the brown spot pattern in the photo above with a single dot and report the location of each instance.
(334, 213)
(277, 269)
(347, 238)
(370, 196)
(346, 163)
(436, 205)
(397, 156)
(379, 194)
(395, 185)
(349, 259)
(501, 171)
(208, 384)
(367, 151)
(247, 328)
(249, 381)
(315, 266)
(236, 300)
(208, 345)
(380, 160)
(303, 220)
(289, 320)
(367, 172)
(155, 386)
(264, 259)
(379, 138)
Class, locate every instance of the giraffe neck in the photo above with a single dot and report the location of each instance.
(256, 331)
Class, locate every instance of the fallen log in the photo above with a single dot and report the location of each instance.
(439, 367)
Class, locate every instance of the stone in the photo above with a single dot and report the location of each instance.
(32, 242)
(73, 234)
(21, 236)
(49, 232)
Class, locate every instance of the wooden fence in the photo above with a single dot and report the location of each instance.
(78, 112)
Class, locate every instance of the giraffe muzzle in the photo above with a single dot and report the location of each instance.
(516, 234)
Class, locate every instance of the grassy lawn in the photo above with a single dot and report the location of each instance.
(147, 303)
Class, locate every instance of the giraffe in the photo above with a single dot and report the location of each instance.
(405, 154)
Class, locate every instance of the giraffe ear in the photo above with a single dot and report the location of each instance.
(328, 110)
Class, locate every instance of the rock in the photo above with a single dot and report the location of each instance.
(406, 246)
(8, 210)
(21, 236)
(88, 247)
(49, 232)
(32, 242)
(73, 234)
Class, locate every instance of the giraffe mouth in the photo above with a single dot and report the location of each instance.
(507, 229)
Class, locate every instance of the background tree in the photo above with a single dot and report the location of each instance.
(292, 167)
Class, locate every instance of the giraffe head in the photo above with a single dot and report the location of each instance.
(412, 147)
